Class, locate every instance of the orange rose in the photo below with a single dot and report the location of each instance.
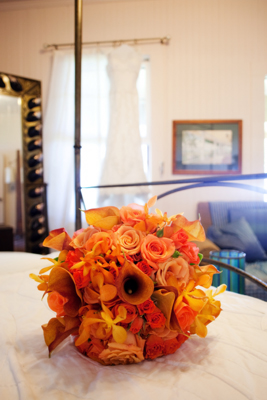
(56, 302)
(154, 347)
(190, 252)
(180, 238)
(171, 346)
(147, 307)
(164, 333)
(132, 214)
(78, 241)
(156, 319)
(156, 250)
(185, 316)
(144, 267)
(128, 352)
(129, 239)
(136, 325)
(177, 267)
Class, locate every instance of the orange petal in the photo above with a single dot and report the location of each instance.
(58, 239)
(108, 292)
(194, 229)
(151, 201)
(168, 231)
(141, 226)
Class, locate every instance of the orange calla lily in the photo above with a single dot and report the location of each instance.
(103, 217)
(58, 239)
(165, 300)
(194, 229)
(58, 329)
(61, 281)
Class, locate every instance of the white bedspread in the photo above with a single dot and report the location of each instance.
(230, 363)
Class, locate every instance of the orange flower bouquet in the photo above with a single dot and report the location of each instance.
(127, 288)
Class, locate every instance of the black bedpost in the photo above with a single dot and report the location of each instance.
(77, 145)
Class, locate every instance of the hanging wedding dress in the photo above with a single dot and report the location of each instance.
(123, 161)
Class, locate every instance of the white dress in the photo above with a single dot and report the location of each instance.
(123, 162)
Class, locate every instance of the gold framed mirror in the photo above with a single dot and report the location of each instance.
(23, 206)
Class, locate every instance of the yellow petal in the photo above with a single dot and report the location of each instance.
(201, 329)
(194, 303)
(107, 311)
(220, 289)
(119, 334)
(205, 281)
(159, 212)
(90, 321)
(121, 316)
(43, 270)
(78, 265)
(36, 278)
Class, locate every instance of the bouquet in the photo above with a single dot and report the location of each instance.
(129, 287)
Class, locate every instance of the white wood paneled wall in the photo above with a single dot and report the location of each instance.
(214, 67)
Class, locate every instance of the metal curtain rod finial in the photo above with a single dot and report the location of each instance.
(162, 40)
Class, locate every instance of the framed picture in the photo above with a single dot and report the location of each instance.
(207, 147)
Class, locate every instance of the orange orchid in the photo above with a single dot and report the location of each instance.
(107, 325)
(204, 275)
(195, 298)
(210, 311)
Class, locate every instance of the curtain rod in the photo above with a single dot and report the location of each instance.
(163, 40)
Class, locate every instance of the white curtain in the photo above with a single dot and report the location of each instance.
(59, 132)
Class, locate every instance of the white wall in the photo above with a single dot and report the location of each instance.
(214, 67)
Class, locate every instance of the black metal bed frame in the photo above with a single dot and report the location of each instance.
(194, 183)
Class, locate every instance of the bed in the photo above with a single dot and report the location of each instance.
(231, 362)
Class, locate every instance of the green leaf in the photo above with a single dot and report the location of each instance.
(56, 259)
(200, 257)
(176, 254)
(160, 233)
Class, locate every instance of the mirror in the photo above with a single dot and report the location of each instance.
(23, 206)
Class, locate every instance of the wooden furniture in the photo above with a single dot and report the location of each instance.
(6, 238)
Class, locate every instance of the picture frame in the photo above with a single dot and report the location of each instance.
(207, 147)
